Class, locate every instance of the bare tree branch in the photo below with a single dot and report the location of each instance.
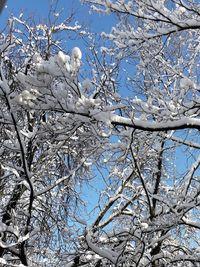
(2, 4)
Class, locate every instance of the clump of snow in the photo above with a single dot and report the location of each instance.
(57, 65)
(3, 227)
(28, 97)
(86, 84)
(37, 58)
(62, 59)
(75, 60)
(103, 116)
(76, 53)
(86, 104)
(186, 83)
(102, 252)
(180, 10)
(144, 225)
(3, 261)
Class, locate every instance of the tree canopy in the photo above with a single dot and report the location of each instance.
(118, 118)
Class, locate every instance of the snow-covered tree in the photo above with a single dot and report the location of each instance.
(149, 212)
(46, 142)
(61, 128)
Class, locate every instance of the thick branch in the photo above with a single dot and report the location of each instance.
(183, 123)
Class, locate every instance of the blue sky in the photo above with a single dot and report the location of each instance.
(39, 10)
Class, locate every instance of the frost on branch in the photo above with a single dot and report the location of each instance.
(149, 209)
(49, 142)
(89, 176)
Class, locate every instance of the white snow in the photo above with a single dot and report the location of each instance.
(62, 58)
(76, 53)
(103, 252)
(3, 227)
(186, 83)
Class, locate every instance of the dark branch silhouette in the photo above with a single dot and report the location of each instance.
(2, 4)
